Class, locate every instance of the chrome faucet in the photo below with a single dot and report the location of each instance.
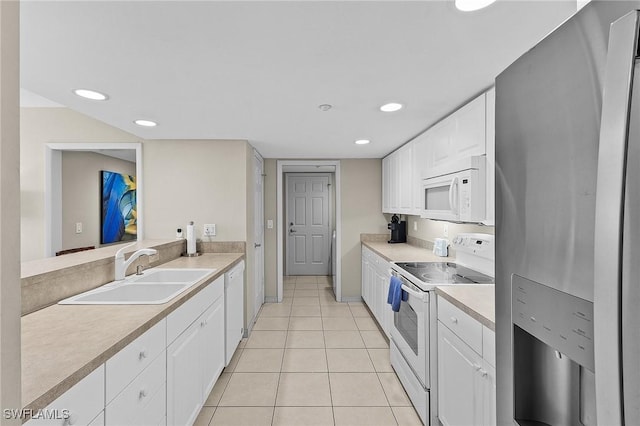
(121, 265)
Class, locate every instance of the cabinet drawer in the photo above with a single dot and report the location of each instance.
(83, 402)
(489, 346)
(181, 318)
(465, 327)
(137, 404)
(124, 366)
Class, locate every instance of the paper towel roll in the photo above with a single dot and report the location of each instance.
(191, 239)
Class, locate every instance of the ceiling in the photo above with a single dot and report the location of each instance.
(259, 70)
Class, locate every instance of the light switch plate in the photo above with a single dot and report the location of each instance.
(415, 225)
(270, 224)
(209, 230)
(78, 227)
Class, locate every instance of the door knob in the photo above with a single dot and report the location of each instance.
(292, 230)
(256, 245)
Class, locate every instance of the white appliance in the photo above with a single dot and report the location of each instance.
(456, 192)
(414, 334)
(234, 309)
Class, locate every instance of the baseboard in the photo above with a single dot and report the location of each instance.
(270, 299)
(352, 299)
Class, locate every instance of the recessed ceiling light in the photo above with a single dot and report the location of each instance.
(146, 123)
(471, 5)
(325, 107)
(91, 94)
(362, 141)
(391, 107)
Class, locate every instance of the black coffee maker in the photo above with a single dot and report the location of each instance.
(398, 230)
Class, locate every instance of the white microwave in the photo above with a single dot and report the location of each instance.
(457, 196)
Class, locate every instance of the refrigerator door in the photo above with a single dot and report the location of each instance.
(548, 115)
(610, 202)
(631, 265)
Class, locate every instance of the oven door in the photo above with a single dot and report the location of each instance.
(410, 330)
(440, 197)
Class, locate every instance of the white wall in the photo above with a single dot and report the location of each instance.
(81, 194)
(39, 126)
(361, 197)
(203, 181)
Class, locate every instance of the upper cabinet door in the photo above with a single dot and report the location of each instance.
(470, 122)
(441, 138)
(386, 184)
(405, 181)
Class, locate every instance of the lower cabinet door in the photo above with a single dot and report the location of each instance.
(459, 384)
(184, 377)
(488, 374)
(212, 338)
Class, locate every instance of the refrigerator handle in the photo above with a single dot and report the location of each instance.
(612, 150)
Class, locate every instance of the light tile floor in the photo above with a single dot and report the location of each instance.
(310, 361)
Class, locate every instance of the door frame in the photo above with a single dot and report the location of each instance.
(53, 188)
(257, 157)
(305, 166)
(328, 175)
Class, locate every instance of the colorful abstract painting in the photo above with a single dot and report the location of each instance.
(119, 213)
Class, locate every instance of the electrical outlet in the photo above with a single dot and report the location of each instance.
(415, 225)
(270, 224)
(78, 227)
(209, 230)
(445, 230)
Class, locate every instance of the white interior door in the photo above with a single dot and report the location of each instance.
(307, 224)
(258, 233)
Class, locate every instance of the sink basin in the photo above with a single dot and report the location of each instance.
(155, 286)
(171, 276)
(129, 294)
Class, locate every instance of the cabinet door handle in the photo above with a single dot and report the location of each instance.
(142, 355)
(454, 320)
(142, 394)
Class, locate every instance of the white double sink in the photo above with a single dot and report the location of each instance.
(154, 286)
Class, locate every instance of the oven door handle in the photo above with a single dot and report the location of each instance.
(413, 292)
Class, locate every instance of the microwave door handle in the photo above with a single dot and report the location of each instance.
(452, 203)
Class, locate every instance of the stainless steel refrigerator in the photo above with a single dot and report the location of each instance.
(568, 225)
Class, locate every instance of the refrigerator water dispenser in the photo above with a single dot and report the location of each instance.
(553, 367)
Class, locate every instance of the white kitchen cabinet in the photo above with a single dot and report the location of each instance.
(441, 138)
(142, 402)
(184, 383)
(196, 357)
(491, 157)
(421, 155)
(375, 288)
(466, 377)
(80, 405)
(469, 137)
(397, 181)
(386, 184)
(405, 175)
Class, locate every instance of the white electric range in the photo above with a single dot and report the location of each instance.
(414, 334)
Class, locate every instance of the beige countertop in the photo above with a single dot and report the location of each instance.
(477, 300)
(403, 252)
(62, 344)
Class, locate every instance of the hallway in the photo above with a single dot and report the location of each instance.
(310, 361)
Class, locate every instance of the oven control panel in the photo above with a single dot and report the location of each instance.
(478, 244)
